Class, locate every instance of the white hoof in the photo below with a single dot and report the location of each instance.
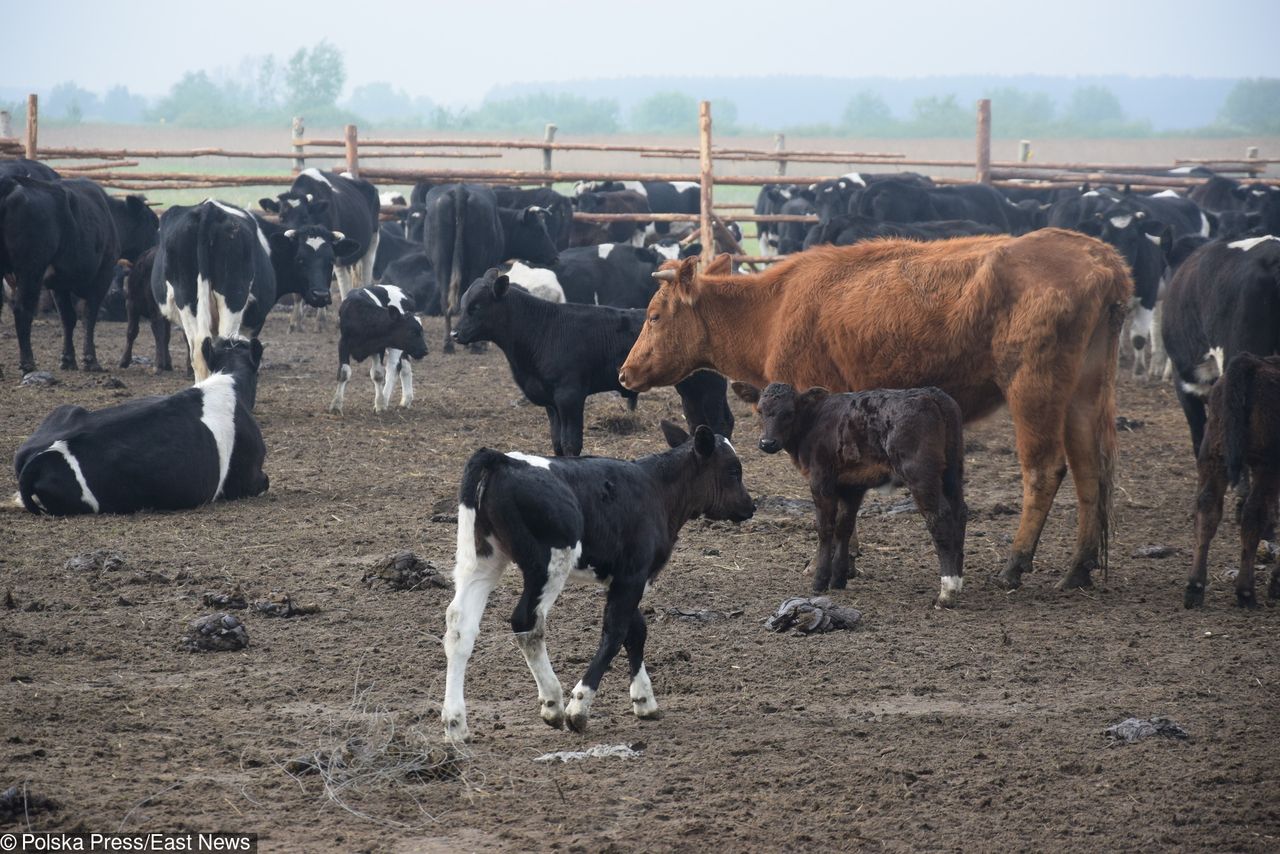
(579, 709)
(553, 713)
(455, 728)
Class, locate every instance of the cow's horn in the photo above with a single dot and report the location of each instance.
(338, 235)
(665, 275)
(290, 233)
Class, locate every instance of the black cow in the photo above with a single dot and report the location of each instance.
(848, 229)
(347, 206)
(61, 234)
(769, 201)
(137, 225)
(467, 233)
(909, 202)
(378, 321)
(21, 167)
(588, 345)
(414, 275)
(1259, 205)
(1241, 449)
(614, 274)
(392, 246)
(791, 235)
(559, 209)
(617, 520)
(140, 302)
(1224, 300)
(161, 453)
(610, 202)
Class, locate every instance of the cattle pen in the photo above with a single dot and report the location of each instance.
(118, 168)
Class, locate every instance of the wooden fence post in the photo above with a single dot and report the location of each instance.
(705, 179)
(33, 125)
(548, 136)
(1024, 150)
(353, 151)
(780, 144)
(983, 160)
(299, 130)
(6, 125)
(1251, 153)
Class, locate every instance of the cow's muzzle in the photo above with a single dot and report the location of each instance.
(770, 446)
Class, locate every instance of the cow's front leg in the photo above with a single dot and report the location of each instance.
(643, 702)
(378, 373)
(66, 303)
(825, 505)
(1208, 515)
(542, 587)
(622, 602)
(474, 577)
(394, 359)
(344, 374)
(846, 529)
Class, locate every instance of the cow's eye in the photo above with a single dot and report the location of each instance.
(653, 318)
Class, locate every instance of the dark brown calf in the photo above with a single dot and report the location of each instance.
(846, 444)
(1242, 431)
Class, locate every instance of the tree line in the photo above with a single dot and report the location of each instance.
(268, 91)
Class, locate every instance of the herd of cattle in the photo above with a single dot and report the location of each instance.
(907, 310)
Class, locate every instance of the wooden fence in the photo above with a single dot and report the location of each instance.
(117, 168)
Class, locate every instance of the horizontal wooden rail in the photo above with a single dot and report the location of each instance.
(677, 217)
(583, 146)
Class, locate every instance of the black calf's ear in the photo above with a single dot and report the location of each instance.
(817, 394)
(704, 441)
(746, 391)
(269, 205)
(500, 286)
(281, 245)
(206, 350)
(674, 433)
(346, 246)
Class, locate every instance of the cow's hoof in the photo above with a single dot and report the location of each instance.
(1273, 589)
(25, 368)
(124, 363)
(646, 709)
(92, 366)
(68, 363)
(335, 409)
(945, 601)
(821, 585)
(1246, 599)
(1194, 595)
(455, 729)
(553, 713)
(447, 348)
(1075, 579)
(1009, 579)
(577, 722)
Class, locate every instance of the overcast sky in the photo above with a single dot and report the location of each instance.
(454, 52)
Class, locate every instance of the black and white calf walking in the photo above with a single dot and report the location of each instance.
(378, 321)
(611, 520)
(160, 453)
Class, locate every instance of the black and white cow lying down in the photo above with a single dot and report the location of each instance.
(560, 354)
(378, 321)
(160, 453)
(611, 520)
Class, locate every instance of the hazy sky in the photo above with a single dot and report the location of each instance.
(454, 52)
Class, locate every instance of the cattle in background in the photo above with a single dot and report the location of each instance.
(676, 197)
(378, 322)
(910, 202)
(611, 202)
(414, 275)
(392, 246)
(140, 302)
(769, 201)
(21, 167)
(468, 233)
(60, 234)
(156, 453)
(791, 235)
(552, 517)
(1224, 300)
(1032, 322)
(542, 282)
(587, 345)
(345, 205)
(614, 274)
(846, 444)
(848, 229)
(137, 225)
(1242, 437)
(1258, 205)
(559, 209)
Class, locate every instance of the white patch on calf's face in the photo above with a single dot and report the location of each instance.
(1141, 326)
(603, 250)
(1249, 243)
(536, 462)
(1121, 220)
(86, 494)
(293, 203)
(218, 414)
(316, 242)
(670, 251)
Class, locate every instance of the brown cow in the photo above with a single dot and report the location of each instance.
(1243, 431)
(846, 444)
(1030, 321)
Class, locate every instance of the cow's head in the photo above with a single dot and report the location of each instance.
(415, 223)
(297, 209)
(137, 225)
(239, 357)
(783, 412)
(1265, 201)
(530, 240)
(1144, 244)
(405, 332)
(674, 341)
(485, 309)
(305, 255)
(716, 489)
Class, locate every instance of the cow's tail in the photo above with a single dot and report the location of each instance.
(1104, 427)
(222, 253)
(1237, 393)
(476, 474)
(456, 264)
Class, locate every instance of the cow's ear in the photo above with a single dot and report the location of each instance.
(746, 392)
(530, 216)
(346, 247)
(814, 396)
(501, 285)
(255, 351)
(721, 265)
(269, 205)
(206, 350)
(673, 433)
(693, 250)
(136, 204)
(281, 245)
(1240, 192)
(704, 441)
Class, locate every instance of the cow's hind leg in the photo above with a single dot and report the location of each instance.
(1212, 487)
(66, 302)
(643, 703)
(846, 529)
(475, 574)
(344, 374)
(544, 577)
(378, 373)
(623, 601)
(1259, 507)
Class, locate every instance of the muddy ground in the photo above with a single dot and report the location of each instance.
(973, 729)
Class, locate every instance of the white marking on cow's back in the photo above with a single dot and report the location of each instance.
(1181, 170)
(369, 294)
(603, 250)
(396, 298)
(228, 208)
(86, 494)
(1248, 243)
(635, 187)
(855, 178)
(316, 242)
(538, 462)
(681, 186)
(1091, 194)
(218, 414)
(670, 251)
(1167, 194)
(313, 172)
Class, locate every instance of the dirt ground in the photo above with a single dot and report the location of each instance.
(973, 729)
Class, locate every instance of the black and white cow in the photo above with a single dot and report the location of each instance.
(414, 275)
(611, 520)
(769, 201)
(467, 233)
(378, 321)
(682, 197)
(615, 274)
(542, 282)
(156, 453)
(219, 268)
(848, 229)
(1224, 300)
(60, 234)
(140, 303)
(559, 209)
(610, 202)
(345, 205)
